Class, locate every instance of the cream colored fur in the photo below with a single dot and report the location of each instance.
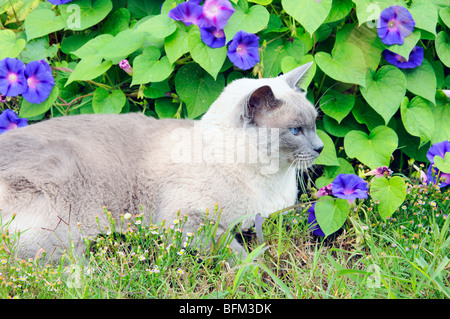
(56, 175)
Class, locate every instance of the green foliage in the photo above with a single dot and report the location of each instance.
(339, 36)
(108, 102)
(373, 150)
(385, 90)
(331, 213)
(390, 193)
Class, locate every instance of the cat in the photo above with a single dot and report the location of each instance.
(56, 176)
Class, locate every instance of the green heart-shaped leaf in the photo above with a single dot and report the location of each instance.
(331, 213)
(108, 102)
(346, 64)
(143, 8)
(166, 108)
(328, 155)
(82, 14)
(10, 46)
(390, 193)
(209, 59)
(118, 21)
(422, 81)
(197, 88)
(373, 150)
(365, 114)
(93, 46)
(28, 109)
(425, 15)
(122, 45)
(339, 10)
(441, 114)
(310, 13)
(385, 90)
(417, 118)
(444, 13)
(147, 67)
(443, 164)
(176, 44)
(159, 26)
(89, 68)
(337, 105)
(443, 47)
(41, 22)
(341, 129)
(252, 20)
(38, 49)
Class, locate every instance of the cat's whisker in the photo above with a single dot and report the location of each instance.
(301, 168)
(293, 165)
(323, 94)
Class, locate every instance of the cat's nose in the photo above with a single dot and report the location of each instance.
(319, 149)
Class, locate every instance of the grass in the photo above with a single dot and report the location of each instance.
(405, 256)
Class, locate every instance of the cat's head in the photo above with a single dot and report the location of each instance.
(273, 103)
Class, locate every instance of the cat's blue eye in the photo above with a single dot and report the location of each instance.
(295, 130)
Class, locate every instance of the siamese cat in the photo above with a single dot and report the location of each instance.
(57, 175)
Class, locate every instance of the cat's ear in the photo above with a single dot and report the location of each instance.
(260, 100)
(294, 77)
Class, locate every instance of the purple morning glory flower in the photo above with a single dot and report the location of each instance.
(12, 79)
(10, 121)
(243, 50)
(349, 186)
(212, 37)
(415, 58)
(188, 12)
(438, 149)
(59, 1)
(394, 25)
(313, 225)
(40, 81)
(216, 13)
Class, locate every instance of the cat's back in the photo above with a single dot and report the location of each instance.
(87, 125)
(57, 147)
